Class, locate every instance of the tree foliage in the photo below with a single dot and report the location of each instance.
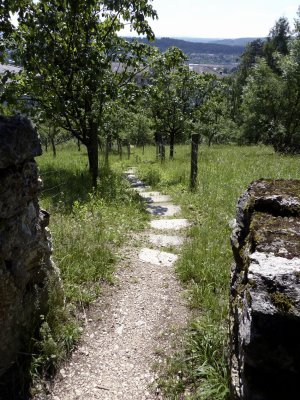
(277, 42)
(265, 93)
(271, 103)
(67, 49)
(213, 117)
(175, 94)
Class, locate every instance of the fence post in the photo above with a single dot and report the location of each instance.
(194, 160)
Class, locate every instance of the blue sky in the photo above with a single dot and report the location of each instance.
(220, 18)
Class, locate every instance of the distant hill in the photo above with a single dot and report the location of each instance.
(201, 53)
(195, 47)
(229, 42)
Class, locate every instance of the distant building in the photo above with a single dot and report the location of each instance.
(10, 68)
(216, 69)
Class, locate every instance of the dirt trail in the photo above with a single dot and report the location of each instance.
(133, 325)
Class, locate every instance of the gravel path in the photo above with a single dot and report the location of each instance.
(131, 327)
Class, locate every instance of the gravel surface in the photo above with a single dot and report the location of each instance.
(132, 327)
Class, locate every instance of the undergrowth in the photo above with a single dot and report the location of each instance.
(200, 371)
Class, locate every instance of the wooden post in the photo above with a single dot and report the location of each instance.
(194, 160)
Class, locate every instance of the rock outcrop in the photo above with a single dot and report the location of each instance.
(25, 244)
(265, 293)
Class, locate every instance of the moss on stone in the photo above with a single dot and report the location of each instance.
(281, 301)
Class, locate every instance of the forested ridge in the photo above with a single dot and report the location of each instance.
(193, 47)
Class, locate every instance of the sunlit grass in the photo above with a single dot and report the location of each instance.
(225, 172)
(88, 228)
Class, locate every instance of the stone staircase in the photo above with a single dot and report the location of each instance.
(165, 220)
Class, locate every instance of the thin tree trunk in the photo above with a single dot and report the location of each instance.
(172, 139)
(158, 140)
(157, 150)
(120, 148)
(194, 160)
(78, 145)
(162, 152)
(92, 149)
(128, 149)
(53, 146)
(107, 148)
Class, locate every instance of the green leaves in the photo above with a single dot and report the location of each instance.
(271, 103)
(67, 50)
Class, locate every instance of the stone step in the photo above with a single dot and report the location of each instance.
(137, 184)
(131, 177)
(169, 224)
(165, 240)
(130, 171)
(141, 189)
(163, 210)
(149, 194)
(156, 197)
(157, 257)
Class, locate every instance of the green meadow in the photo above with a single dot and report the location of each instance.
(89, 228)
(224, 173)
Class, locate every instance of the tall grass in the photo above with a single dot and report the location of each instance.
(88, 227)
(224, 173)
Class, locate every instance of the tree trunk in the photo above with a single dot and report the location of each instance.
(78, 145)
(194, 160)
(158, 140)
(157, 151)
(53, 146)
(107, 148)
(120, 149)
(172, 139)
(128, 150)
(162, 152)
(92, 148)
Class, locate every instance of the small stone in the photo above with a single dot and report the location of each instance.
(169, 224)
(164, 240)
(157, 257)
(63, 373)
(163, 210)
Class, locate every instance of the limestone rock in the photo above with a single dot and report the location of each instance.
(265, 292)
(18, 141)
(157, 257)
(170, 224)
(25, 241)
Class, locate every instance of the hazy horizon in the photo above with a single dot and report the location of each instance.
(217, 19)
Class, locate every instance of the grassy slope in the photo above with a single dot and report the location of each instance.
(87, 229)
(224, 173)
